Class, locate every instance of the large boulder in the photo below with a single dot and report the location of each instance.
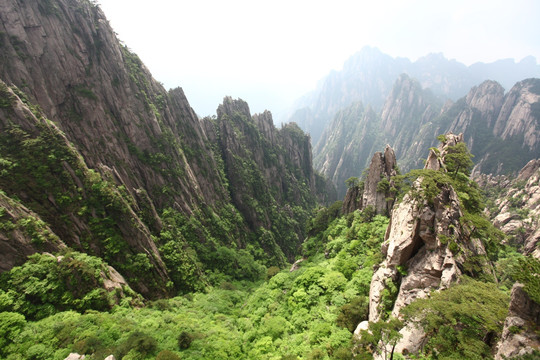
(521, 327)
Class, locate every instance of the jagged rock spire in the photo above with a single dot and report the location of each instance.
(435, 161)
(374, 193)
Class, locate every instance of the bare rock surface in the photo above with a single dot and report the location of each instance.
(75, 356)
(521, 327)
(516, 206)
(417, 249)
(371, 193)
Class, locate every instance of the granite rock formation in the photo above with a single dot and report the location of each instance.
(422, 238)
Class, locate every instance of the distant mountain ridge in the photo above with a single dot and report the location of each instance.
(500, 129)
(369, 75)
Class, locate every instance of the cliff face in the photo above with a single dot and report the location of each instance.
(520, 113)
(514, 206)
(366, 78)
(405, 111)
(346, 145)
(369, 75)
(271, 179)
(73, 205)
(119, 152)
(426, 246)
(499, 129)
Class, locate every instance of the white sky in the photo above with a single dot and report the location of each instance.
(271, 52)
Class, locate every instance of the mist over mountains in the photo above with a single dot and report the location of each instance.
(377, 100)
(131, 228)
(369, 76)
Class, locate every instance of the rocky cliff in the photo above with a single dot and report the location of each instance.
(118, 167)
(369, 75)
(375, 190)
(347, 144)
(520, 334)
(66, 57)
(73, 204)
(427, 246)
(500, 129)
(269, 171)
(514, 206)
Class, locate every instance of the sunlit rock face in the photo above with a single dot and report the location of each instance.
(420, 248)
(375, 191)
(520, 333)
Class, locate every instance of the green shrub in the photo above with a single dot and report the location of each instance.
(137, 342)
(351, 314)
(457, 320)
(167, 355)
(184, 340)
(272, 270)
(11, 325)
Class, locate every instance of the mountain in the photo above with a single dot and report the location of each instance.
(109, 163)
(369, 75)
(500, 129)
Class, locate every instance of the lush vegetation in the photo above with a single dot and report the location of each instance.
(461, 322)
(46, 284)
(234, 301)
(308, 313)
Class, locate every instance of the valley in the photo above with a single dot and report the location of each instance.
(394, 215)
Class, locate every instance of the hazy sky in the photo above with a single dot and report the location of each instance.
(271, 52)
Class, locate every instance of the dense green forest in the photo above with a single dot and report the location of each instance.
(52, 307)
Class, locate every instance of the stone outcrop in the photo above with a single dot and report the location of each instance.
(352, 200)
(521, 327)
(417, 240)
(382, 167)
(46, 189)
(75, 356)
(516, 206)
(420, 249)
(268, 170)
(435, 159)
(374, 192)
(17, 241)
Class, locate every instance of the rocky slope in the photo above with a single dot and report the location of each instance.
(121, 164)
(500, 129)
(514, 206)
(73, 205)
(368, 77)
(426, 246)
(520, 334)
(375, 191)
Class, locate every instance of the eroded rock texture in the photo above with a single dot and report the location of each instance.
(375, 190)
(521, 327)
